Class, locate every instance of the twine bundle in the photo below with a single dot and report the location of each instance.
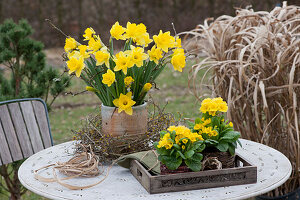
(83, 164)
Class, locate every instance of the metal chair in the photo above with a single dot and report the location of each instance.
(24, 129)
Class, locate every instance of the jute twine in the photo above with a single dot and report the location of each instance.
(84, 164)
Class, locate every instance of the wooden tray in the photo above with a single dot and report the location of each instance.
(242, 173)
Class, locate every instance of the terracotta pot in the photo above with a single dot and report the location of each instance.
(118, 124)
(181, 169)
(225, 158)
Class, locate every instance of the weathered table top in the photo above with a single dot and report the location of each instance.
(273, 170)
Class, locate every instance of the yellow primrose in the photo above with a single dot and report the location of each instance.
(138, 56)
(108, 78)
(123, 62)
(102, 56)
(164, 41)
(178, 61)
(117, 31)
(230, 124)
(198, 126)
(70, 44)
(124, 102)
(94, 44)
(183, 147)
(213, 105)
(155, 54)
(128, 80)
(76, 65)
(184, 141)
(88, 33)
(147, 87)
(165, 142)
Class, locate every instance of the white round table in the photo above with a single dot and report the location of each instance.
(273, 169)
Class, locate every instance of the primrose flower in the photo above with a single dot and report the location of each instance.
(230, 124)
(213, 105)
(70, 44)
(165, 142)
(178, 60)
(128, 80)
(123, 62)
(108, 78)
(117, 31)
(94, 44)
(164, 41)
(124, 102)
(147, 87)
(76, 65)
(198, 126)
(102, 56)
(88, 33)
(137, 56)
(155, 54)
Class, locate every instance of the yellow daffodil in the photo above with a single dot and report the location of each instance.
(88, 33)
(138, 33)
(123, 62)
(164, 41)
(155, 54)
(76, 65)
(147, 87)
(138, 56)
(177, 42)
(91, 89)
(178, 61)
(94, 44)
(70, 44)
(102, 56)
(117, 31)
(108, 78)
(124, 102)
(128, 80)
(83, 52)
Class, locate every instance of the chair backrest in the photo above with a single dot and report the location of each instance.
(24, 129)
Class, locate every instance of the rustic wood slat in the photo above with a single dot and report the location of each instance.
(10, 133)
(20, 128)
(40, 114)
(32, 126)
(4, 150)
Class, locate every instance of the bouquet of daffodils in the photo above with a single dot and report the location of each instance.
(123, 79)
(179, 145)
(216, 132)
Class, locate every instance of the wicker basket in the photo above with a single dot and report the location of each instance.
(225, 158)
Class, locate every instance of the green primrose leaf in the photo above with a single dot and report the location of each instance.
(181, 154)
(189, 153)
(197, 121)
(222, 146)
(231, 149)
(172, 162)
(193, 165)
(176, 146)
(162, 133)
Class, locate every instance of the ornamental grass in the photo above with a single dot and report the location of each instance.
(254, 60)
